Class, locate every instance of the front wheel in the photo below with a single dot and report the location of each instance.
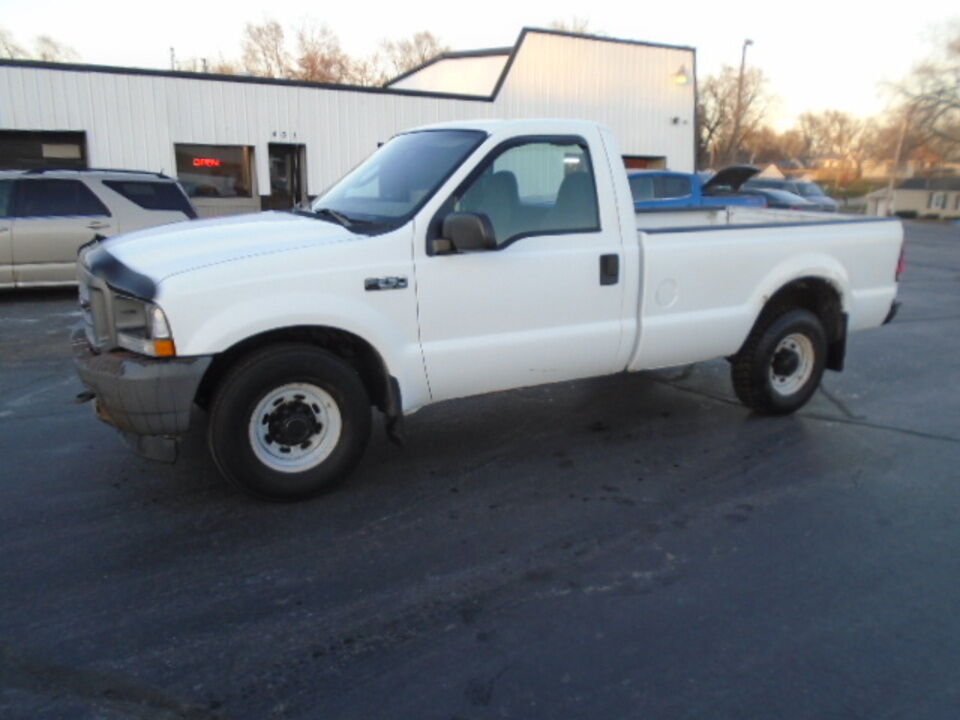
(781, 363)
(288, 422)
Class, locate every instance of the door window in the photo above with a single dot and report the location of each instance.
(6, 194)
(56, 198)
(535, 188)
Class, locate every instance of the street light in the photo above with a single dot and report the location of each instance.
(735, 144)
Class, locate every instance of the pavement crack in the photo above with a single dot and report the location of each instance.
(855, 420)
(881, 426)
(111, 690)
(840, 404)
(935, 318)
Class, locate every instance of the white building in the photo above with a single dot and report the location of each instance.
(241, 143)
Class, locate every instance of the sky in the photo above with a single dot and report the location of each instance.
(817, 55)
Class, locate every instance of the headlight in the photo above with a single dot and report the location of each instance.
(142, 327)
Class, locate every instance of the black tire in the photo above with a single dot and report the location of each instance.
(234, 442)
(760, 372)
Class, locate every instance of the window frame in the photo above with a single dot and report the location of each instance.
(247, 152)
(435, 226)
(16, 197)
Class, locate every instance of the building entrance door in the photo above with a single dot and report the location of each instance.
(286, 176)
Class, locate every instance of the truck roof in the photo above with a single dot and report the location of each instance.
(533, 126)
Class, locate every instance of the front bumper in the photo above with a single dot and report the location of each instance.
(136, 394)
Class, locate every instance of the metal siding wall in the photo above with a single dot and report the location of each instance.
(628, 87)
(132, 121)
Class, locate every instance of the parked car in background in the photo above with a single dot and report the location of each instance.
(781, 199)
(809, 191)
(655, 189)
(46, 215)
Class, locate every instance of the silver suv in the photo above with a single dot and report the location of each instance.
(46, 215)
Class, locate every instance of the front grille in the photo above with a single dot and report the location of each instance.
(95, 309)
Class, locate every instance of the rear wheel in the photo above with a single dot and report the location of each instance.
(781, 363)
(288, 422)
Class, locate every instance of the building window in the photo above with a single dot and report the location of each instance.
(215, 171)
(938, 201)
(25, 150)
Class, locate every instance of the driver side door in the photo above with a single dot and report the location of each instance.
(543, 305)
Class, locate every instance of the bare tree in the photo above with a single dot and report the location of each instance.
(722, 133)
(264, 50)
(931, 94)
(840, 136)
(575, 24)
(399, 56)
(44, 48)
(9, 47)
(369, 71)
(319, 57)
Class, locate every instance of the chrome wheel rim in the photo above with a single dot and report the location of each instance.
(295, 427)
(792, 364)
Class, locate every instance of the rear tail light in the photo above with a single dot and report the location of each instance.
(901, 262)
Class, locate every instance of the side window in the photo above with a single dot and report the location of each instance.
(153, 195)
(56, 198)
(6, 194)
(641, 187)
(537, 188)
(672, 186)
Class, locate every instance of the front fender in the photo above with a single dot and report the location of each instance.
(212, 310)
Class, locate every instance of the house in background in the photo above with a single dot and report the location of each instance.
(931, 197)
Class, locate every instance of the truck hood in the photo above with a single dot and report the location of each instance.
(732, 177)
(160, 252)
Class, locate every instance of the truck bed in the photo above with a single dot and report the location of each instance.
(707, 272)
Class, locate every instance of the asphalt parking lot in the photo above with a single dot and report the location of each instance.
(629, 547)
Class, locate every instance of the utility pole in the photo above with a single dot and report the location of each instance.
(173, 59)
(735, 138)
(896, 158)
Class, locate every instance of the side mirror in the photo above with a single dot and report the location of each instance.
(468, 231)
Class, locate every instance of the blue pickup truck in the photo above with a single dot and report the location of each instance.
(655, 189)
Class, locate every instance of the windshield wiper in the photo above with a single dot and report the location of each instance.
(338, 218)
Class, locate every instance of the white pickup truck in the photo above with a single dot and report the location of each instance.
(458, 259)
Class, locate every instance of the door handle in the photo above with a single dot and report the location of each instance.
(609, 269)
(97, 225)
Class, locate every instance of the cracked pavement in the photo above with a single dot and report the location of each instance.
(632, 546)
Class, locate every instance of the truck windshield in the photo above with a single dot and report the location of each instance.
(392, 184)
